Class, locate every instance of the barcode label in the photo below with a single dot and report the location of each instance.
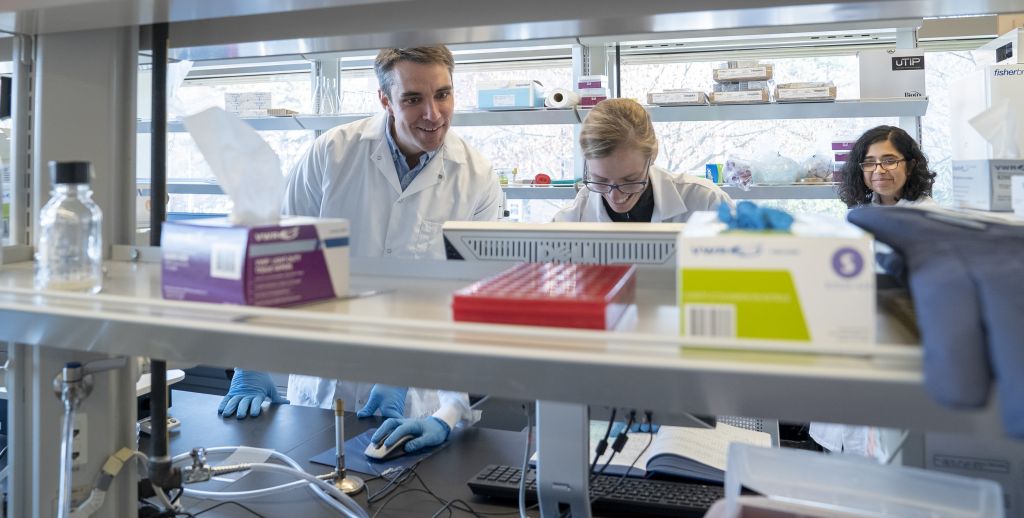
(716, 320)
(225, 262)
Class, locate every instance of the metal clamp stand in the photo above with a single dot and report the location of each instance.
(563, 438)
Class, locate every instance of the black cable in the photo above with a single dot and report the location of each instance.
(602, 445)
(457, 504)
(526, 460)
(404, 474)
(396, 495)
(208, 509)
(620, 442)
(650, 439)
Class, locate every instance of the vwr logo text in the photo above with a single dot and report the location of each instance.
(737, 250)
(285, 234)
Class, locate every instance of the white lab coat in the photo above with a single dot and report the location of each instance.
(866, 441)
(675, 198)
(923, 201)
(349, 173)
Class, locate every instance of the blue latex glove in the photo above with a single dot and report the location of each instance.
(429, 431)
(751, 217)
(389, 400)
(246, 395)
(635, 427)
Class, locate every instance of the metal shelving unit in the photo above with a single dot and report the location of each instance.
(770, 111)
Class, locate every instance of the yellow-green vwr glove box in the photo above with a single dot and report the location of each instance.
(814, 285)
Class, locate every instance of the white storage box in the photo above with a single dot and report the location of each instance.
(741, 97)
(758, 73)
(891, 73)
(1004, 50)
(815, 285)
(677, 98)
(798, 483)
(985, 184)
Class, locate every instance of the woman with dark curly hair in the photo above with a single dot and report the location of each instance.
(886, 167)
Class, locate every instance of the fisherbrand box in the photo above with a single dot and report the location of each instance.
(815, 284)
(298, 260)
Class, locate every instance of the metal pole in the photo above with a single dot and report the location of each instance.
(158, 164)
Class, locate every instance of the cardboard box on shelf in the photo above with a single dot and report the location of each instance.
(251, 104)
(743, 285)
(985, 184)
(509, 95)
(892, 73)
(677, 98)
(297, 260)
(743, 97)
(758, 73)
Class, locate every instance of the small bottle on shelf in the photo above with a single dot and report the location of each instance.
(70, 252)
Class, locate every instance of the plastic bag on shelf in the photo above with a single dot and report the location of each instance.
(817, 167)
(737, 172)
(777, 170)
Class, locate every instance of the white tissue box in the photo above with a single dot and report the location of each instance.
(985, 184)
(815, 285)
(300, 259)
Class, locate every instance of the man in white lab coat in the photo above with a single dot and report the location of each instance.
(397, 177)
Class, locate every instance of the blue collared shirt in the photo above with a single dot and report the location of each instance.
(406, 174)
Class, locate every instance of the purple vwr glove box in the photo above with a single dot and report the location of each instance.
(300, 259)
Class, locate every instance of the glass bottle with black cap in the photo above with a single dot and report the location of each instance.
(69, 255)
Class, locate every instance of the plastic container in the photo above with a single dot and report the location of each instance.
(585, 296)
(840, 485)
(70, 252)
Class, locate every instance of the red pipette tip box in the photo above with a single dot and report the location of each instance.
(585, 296)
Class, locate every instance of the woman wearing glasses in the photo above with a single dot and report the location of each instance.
(886, 167)
(622, 182)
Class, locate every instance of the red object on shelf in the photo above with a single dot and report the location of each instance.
(588, 296)
(541, 179)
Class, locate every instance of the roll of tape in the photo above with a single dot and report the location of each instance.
(561, 98)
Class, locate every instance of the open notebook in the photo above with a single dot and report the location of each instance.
(697, 453)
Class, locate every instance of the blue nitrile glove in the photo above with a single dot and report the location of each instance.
(389, 400)
(428, 431)
(751, 217)
(635, 427)
(246, 395)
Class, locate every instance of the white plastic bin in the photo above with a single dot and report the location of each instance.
(805, 483)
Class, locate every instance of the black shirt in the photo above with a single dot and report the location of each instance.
(640, 213)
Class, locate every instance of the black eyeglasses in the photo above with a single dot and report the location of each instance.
(624, 188)
(888, 164)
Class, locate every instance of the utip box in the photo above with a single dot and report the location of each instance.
(815, 285)
(298, 260)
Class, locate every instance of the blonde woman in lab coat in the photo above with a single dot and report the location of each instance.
(397, 177)
(622, 183)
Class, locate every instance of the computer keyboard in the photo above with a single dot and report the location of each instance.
(633, 497)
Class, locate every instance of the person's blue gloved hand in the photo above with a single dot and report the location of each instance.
(389, 400)
(246, 395)
(428, 431)
(635, 427)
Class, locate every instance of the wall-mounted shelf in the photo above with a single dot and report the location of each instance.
(771, 111)
(824, 191)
